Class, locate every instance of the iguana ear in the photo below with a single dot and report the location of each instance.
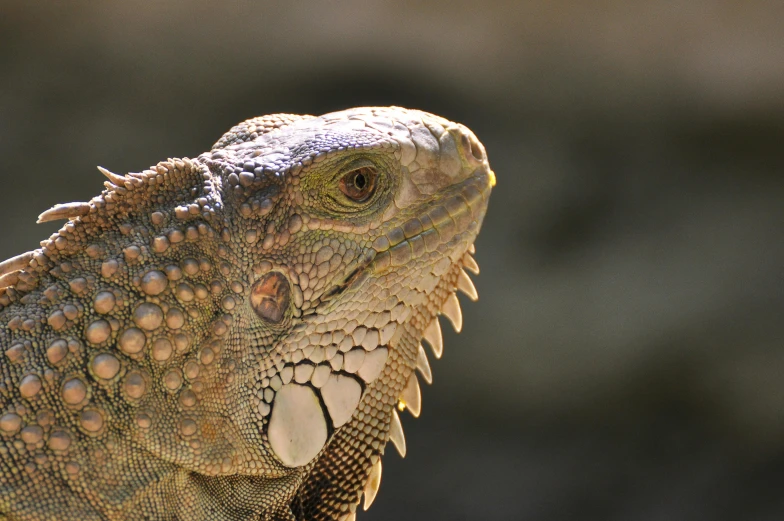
(251, 129)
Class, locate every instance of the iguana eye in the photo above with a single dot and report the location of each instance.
(359, 184)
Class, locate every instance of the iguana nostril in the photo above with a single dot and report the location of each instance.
(472, 149)
(270, 297)
(477, 150)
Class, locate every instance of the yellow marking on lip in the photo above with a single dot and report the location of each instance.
(492, 177)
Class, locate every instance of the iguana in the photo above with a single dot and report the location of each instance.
(232, 336)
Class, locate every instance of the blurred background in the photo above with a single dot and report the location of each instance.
(625, 360)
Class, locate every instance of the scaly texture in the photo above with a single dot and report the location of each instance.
(232, 336)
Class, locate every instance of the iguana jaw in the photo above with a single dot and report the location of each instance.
(454, 222)
(423, 245)
(451, 221)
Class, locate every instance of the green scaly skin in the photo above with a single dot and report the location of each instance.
(229, 337)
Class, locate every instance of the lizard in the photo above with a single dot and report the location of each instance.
(233, 336)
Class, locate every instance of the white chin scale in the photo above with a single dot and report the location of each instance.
(297, 428)
(299, 425)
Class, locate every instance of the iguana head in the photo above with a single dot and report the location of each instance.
(253, 314)
(348, 224)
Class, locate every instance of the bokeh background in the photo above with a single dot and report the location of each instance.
(626, 358)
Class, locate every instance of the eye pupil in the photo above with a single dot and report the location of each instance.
(359, 184)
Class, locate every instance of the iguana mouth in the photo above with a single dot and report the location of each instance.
(359, 271)
(456, 215)
(352, 277)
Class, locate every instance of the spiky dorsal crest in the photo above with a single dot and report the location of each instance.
(155, 203)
